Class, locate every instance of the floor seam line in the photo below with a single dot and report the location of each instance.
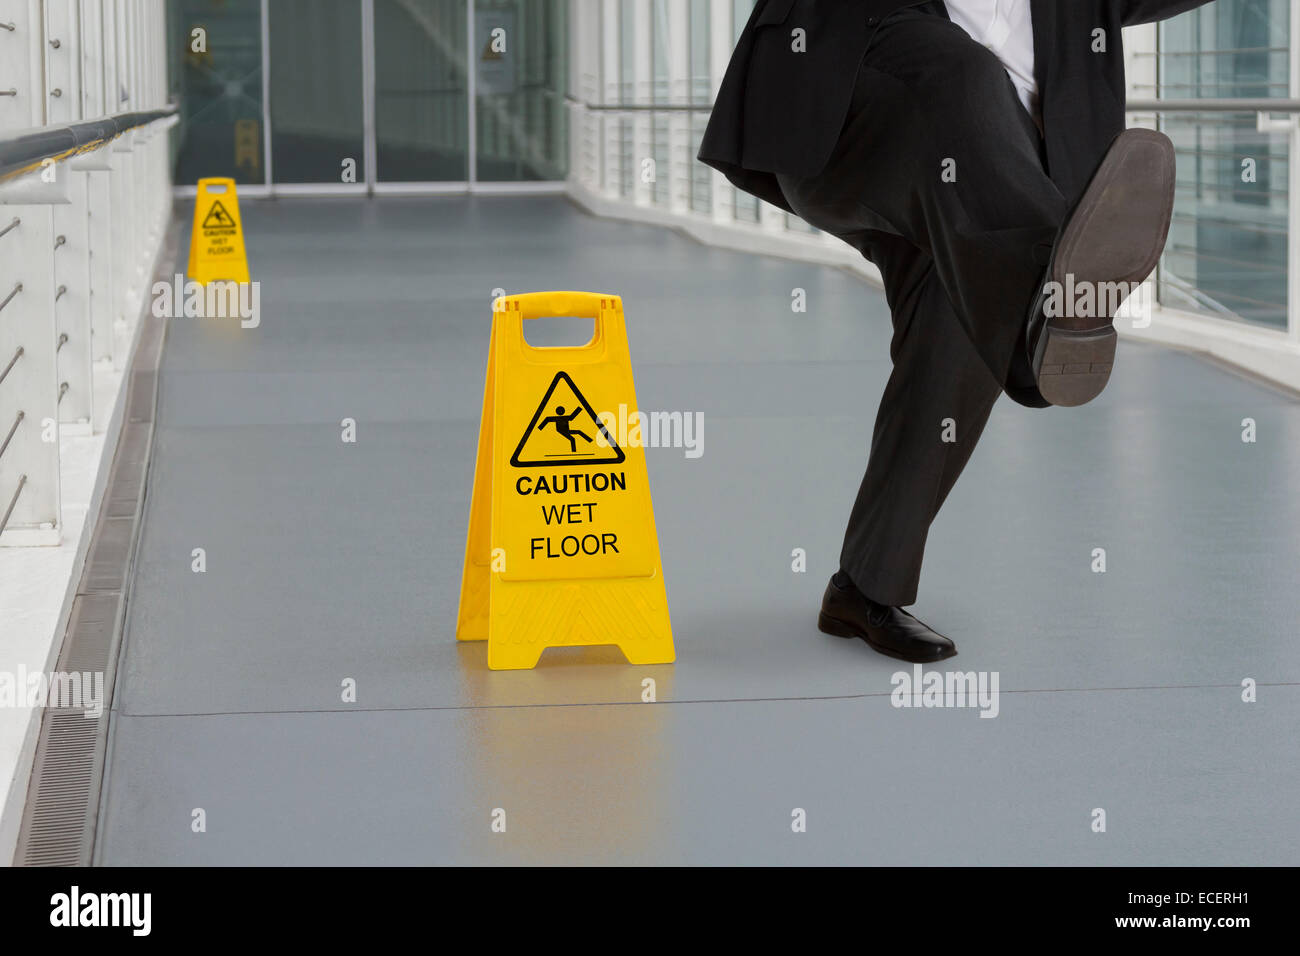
(719, 700)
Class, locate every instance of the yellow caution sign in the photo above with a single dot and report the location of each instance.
(562, 549)
(217, 239)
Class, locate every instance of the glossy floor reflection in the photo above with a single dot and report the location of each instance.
(329, 561)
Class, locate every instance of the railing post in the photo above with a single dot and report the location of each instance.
(77, 234)
(29, 435)
(72, 256)
(29, 393)
(122, 191)
(93, 100)
(22, 85)
(98, 170)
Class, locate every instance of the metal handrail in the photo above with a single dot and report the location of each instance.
(1259, 104)
(1208, 105)
(26, 152)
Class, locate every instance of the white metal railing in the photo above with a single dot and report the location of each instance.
(79, 229)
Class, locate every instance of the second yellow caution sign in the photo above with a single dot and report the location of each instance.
(217, 239)
(562, 548)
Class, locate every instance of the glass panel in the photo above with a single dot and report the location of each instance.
(317, 123)
(219, 89)
(1227, 251)
(520, 55)
(421, 93)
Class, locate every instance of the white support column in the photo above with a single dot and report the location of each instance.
(22, 81)
(96, 70)
(29, 446)
(122, 189)
(142, 219)
(128, 58)
(720, 45)
(77, 238)
(370, 146)
(108, 55)
(99, 243)
(72, 256)
(770, 218)
(268, 154)
(611, 124)
(681, 159)
(72, 303)
(642, 28)
(92, 59)
(1293, 193)
(29, 397)
(584, 85)
(122, 208)
(121, 55)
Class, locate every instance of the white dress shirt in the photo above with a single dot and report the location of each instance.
(1006, 28)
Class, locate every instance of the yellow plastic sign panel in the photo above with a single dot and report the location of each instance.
(562, 548)
(217, 238)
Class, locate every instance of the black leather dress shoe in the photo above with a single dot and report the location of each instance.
(846, 612)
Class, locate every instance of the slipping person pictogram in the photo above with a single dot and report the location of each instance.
(564, 425)
(976, 152)
(218, 218)
(538, 452)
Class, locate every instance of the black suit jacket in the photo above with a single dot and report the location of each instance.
(778, 112)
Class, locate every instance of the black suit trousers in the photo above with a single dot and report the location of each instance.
(938, 178)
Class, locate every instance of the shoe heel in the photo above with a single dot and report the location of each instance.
(828, 625)
(1072, 368)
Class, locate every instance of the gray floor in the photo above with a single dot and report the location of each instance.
(329, 561)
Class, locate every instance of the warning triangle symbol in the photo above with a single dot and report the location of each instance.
(565, 431)
(218, 218)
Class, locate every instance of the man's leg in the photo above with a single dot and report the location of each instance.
(937, 148)
(934, 408)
